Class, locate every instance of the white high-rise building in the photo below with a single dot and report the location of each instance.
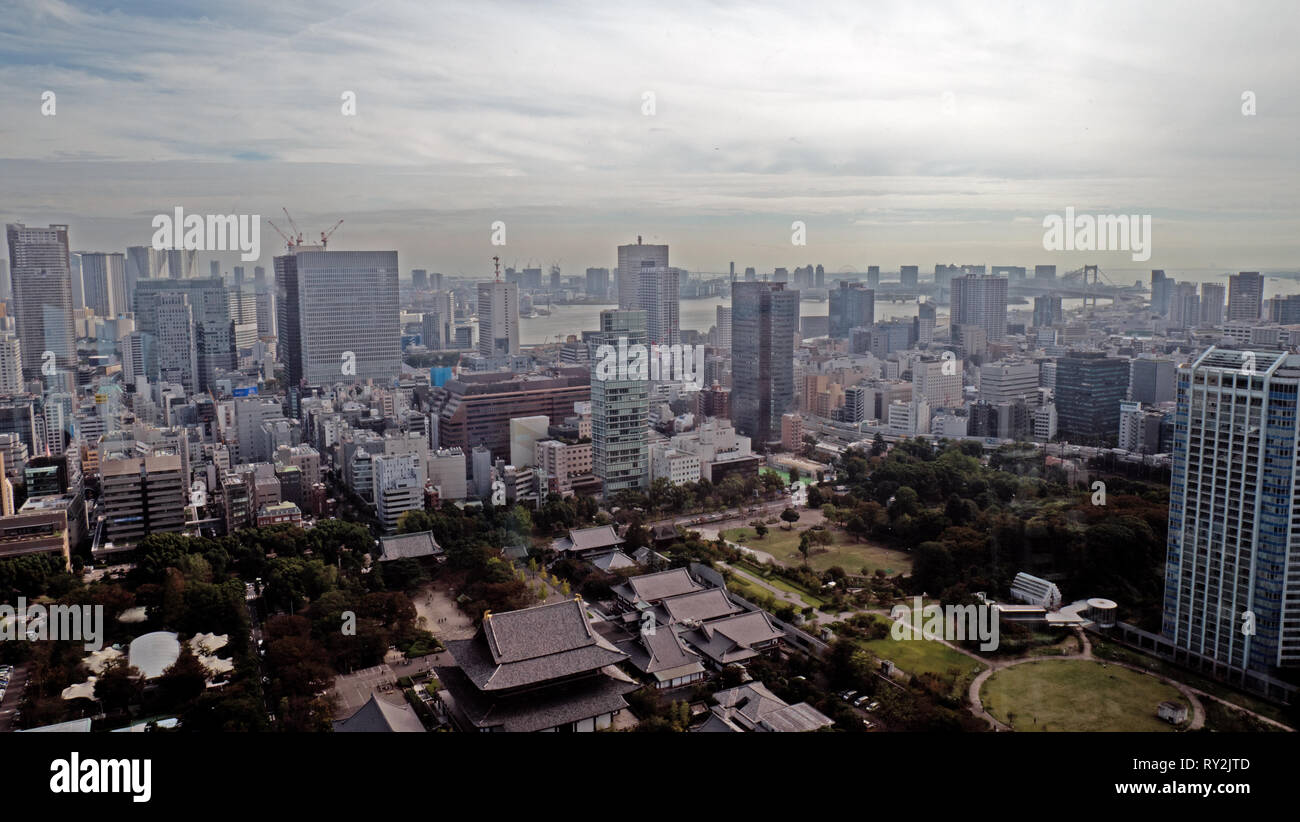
(658, 297)
(498, 319)
(11, 364)
(1234, 522)
(724, 328)
(103, 278)
(398, 487)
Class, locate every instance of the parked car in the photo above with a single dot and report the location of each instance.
(847, 696)
(868, 724)
(873, 705)
(858, 703)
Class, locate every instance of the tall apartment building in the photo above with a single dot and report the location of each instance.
(852, 305)
(1184, 305)
(658, 296)
(764, 317)
(498, 319)
(174, 344)
(103, 278)
(981, 300)
(1233, 514)
(724, 328)
(597, 282)
(909, 276)
(926, 317)
(620, 410)
(338, 317)
(1089, 389)
(632, 259)
(1212, 304)
(1160, 289)
(142, 496)
(1245, 296)
(41, 272)
(11, 364)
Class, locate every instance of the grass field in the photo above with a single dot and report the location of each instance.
(1077, 695)
(844, 552)
(921, 656)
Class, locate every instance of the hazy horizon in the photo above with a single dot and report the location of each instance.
(896, 134)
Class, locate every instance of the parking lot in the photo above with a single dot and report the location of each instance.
(12, 697)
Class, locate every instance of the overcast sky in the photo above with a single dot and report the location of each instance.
(899, 133)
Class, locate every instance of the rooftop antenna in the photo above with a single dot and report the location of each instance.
(638, 239)
(496, 262)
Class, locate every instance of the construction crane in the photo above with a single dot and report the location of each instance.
(288, 241)
(296, 231)
(325, 235)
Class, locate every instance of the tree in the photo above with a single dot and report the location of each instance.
(119, 686)
(804, 545)
(791, 516)
(878, 445)
(760, 530)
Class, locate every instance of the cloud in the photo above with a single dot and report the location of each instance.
(963, 123)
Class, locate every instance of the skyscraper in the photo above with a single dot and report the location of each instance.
(724, 328)
(1245, 296)
(620, 407)
(42, 281)
(597, 282)
(338, 317)
(1212, 304)
(764, 317)
(631, 260)
(1160, 287)
(1047, 310)
(103, 279)
(657, 290)
(852, 305)
(1232, 513)
(213, 332)
(498, 318)
(981, 300)
(1089, 389)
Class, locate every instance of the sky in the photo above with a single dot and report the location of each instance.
(895, 132)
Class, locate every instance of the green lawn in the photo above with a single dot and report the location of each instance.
(844, 552)
(920, 656)
(1077, 695)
